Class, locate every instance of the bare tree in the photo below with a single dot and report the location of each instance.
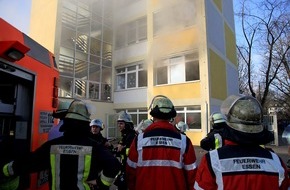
(265, 31)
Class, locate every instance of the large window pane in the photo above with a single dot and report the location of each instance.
(81, 42)
(177, 73)
(161, 75)
(192, 71)
(121, 36)
(81, 69)
(193, 120)
(142, 29)
(67, 36)
(95, 47)
(120, 81)
(80, 88)
(94, 89)
(142, 78)
(131, 32)
(66, 65)
(94, 74)
(108, 35)
(107, 54)
(131, 80)
(69, 15)
(65, 86)
(106, 92)
(106, 75)
(96, 28)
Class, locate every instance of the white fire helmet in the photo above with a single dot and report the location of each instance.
(181, 126)
(124, 116)
(216, 118)
(97, 122)
(143, 125)
(243, 113)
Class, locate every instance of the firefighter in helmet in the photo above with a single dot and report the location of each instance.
(181, 126)
(58, 114)
(242, 159)
(143, 125)
(74, 160)
(126, 128)
(214, 139)
(97, 126)
(161, 157)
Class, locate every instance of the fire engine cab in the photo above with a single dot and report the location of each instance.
(29, 81)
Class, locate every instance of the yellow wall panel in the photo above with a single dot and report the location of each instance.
(219, 4)
(179, 91)
(230, 45)
(195, 137)
(218, 86)
(44, 22)
(175, 42)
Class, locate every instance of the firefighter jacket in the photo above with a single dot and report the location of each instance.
(161, 158)
(245, 167)
(128, 135)
(72, 160)
(213, 140)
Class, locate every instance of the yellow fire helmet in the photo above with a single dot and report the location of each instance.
(161, 107)
(79, 110)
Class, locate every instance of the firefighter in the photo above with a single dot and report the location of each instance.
(58, 114)
(74, 160)
(161, 157)
(7, 153)
(97, 126)
(214, 139)
(143, 125)
(181, 127)
(242, 163)
(126, 128)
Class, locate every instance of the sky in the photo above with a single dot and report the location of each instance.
(17, 13)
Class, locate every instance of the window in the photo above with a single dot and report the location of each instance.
(132, 76)
(94, 89)
(85, 56)
(177, 69)
(131, 33)
(190, 115)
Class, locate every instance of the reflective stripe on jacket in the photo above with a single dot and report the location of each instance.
(242, 167)
(72, 161)
(165, 155)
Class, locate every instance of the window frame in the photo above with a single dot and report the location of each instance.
(185, 111)
(169, 64)
(125, 70)
(131, 33)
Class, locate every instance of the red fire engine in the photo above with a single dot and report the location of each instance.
(29, 81)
